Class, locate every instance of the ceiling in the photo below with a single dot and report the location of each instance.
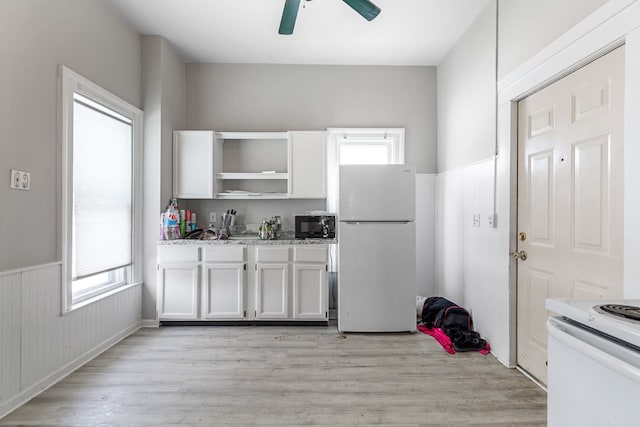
(407, 32)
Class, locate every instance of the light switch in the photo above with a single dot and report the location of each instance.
(20, 180)
(476, 220)
(492, 220)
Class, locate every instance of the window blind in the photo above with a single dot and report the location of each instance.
(102, 189)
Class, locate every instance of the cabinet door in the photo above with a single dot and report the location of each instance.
(178, 291)
(307, 165)
(310, 291)
(272, 290)
(223, 296)
(193, 164)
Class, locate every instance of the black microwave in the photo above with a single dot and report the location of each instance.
(315, 226)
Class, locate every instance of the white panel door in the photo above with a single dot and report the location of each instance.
(223, 295)
(307, 165)
(570, 177)
(272, 290)
(193, 164)
(310, 291)
(178, 291)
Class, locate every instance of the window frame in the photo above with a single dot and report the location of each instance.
(69, 83)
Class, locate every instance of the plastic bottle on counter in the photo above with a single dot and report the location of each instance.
(172, 221)
(183, 222)
(194, 224)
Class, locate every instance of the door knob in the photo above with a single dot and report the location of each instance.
(522, 255)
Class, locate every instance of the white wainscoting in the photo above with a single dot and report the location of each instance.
(470, 257)
(426, 234)
(450, 235)
(38, 346)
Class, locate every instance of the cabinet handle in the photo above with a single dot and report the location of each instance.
(245, 313)
(245, 267)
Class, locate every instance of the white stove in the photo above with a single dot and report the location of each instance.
(590, 314)
(593, 362)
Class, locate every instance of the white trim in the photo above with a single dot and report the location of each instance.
(70, 82)
(602, 31)
(150, 323)
(608, 27)
(30, 268)
(107, 293)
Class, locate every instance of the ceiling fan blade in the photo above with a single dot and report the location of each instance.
(289, 15)
(365, 8)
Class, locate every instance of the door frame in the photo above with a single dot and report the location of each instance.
(616, 23)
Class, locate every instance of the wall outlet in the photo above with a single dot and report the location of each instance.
(20, 180)
(492, 220)
(476, 220)
(212, 217)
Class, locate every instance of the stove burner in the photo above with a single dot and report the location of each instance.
(620, 310)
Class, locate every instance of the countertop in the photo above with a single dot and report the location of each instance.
(248, 241)
(287, 238)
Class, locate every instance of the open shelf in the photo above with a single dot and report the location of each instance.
(251, 165)
(252, 175)
(251, 195)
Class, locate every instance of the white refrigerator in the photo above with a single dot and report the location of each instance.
(376, 248)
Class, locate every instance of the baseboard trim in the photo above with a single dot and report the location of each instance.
(35, 389)
(244, 323)
(150, 323)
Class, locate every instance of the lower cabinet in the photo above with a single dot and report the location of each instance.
(272, 291)
(223, 296)
(213, 282)
(224, 283)
(291, 282)
(178, 283)
(310, 291)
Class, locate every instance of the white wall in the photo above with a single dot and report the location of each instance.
(528, 26)
(466, 96)
(164, 79)
(38, 346)
(35, 37)
(484, 278)
(470, 270)
(426, 234)
(249, 97)
(472, 261)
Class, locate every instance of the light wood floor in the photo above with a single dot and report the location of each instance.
(280, 376)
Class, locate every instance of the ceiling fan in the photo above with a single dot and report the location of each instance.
(365, 8)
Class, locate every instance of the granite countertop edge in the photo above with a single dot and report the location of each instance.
(206, 242)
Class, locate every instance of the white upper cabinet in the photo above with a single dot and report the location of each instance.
(307, 165)
(193, 164)
(249, 165)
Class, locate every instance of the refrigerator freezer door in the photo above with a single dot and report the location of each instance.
(377, 193)
(377, 277)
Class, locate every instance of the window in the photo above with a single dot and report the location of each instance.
(101, 138)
